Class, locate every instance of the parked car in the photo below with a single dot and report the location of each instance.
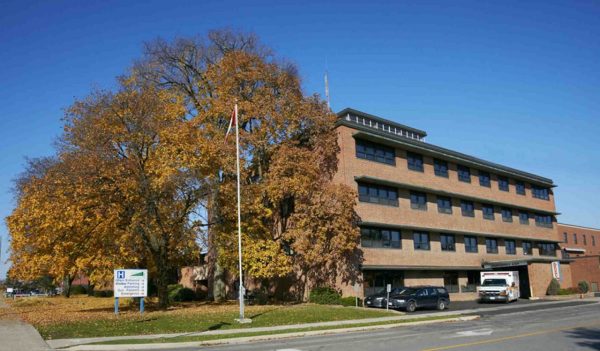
(411, 298)
(380, 298)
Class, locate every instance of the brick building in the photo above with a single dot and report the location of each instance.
(436, 216)
(582, 246)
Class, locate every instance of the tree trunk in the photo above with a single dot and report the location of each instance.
(68, 282)
(162, 281)
(219, 292)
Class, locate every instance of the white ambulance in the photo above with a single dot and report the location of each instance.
(499, 286)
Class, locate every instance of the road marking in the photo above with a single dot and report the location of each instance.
(477, 332)
(491, 341)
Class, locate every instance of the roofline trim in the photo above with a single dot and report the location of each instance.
(347, 110)
(578, 226)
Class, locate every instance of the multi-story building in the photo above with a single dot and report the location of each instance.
(582, 246)
(430, 215)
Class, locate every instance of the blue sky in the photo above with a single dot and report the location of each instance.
(513, 82)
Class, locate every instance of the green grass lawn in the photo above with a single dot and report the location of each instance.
(251, 333)
(165, 322)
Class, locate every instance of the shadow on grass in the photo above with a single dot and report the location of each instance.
(588, 338)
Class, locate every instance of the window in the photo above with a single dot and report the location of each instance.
(547, 249)
(524, 218)
(506, 214)
(527, 248)
(377, 194)
(543, 220)
(415, 161)
(488, 211)
(448, 242)
(565, 237)
(511, 247)
(593, 240)
(468, 208)
(484, 179)
(520, 186)
(444, 204)
(440, 168)
(377, 237)
(418, 201)
(575, 238)
(491, 245)
(540, 192)
(470, 244)
(503, 183)
(584, 239)
(375, 152)
(421, 240)
(464, 173)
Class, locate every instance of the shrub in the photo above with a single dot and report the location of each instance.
(180, 294)
(78, 290)
(569, 291)
(103, 293)
(553, 287)
(350, 301)
(324, 296)
(258, 296)
(583, 286)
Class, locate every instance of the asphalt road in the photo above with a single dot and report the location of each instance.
(571, 326)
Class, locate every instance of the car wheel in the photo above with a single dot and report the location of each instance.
(441, 305)
(411, 307)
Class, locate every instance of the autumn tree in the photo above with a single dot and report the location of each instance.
(289, 151)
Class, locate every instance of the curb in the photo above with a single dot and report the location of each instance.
(246, 339)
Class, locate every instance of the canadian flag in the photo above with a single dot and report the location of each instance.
(232, 122)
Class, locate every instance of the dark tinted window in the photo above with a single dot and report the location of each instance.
(511, 247)
(527, 248)
(440, 168)
(470, 244)
(379, 237)
(484, 179)
(542, 220)
(507, 214)
(503, 183)
(378, 194)
(488, 211)
(565, 238)
(375, 152)
(540, 193)
(421, 240)
(491, 245)
(464, 173)
(448, 242)
(467, 208)
(418, 200)
(444, 204)
(547, 249)
(574, 238)
(415, 161)
(520, 186)
(523, 217)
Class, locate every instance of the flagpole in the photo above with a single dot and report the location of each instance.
(239, 218)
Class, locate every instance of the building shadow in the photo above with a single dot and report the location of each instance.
(588, 338)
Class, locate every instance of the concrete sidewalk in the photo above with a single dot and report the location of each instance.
(61, 343)
(16, 335)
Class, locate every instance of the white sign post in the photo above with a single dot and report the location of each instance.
(130, 283)
(387, 301)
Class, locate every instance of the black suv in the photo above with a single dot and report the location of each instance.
(411, 298)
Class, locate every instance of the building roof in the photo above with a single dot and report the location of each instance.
(579, 226)
(376, 133)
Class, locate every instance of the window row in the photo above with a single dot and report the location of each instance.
(392, 238)
(583, 237)
(385, 154)
(386, 195)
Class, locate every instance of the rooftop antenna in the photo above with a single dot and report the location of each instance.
(327, 86)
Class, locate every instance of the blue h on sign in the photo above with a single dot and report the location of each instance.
(120, 274)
